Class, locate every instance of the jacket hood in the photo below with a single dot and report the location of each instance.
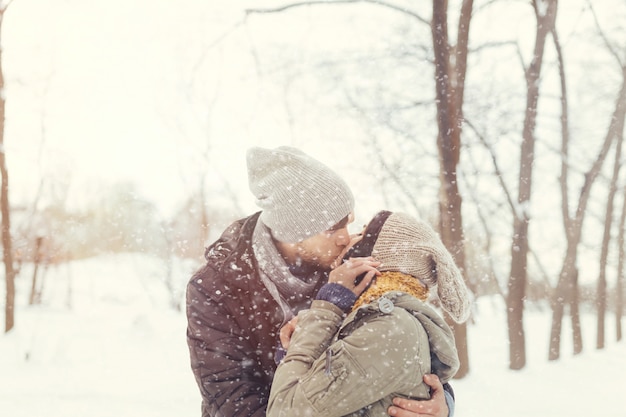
(444, 356)
(231, 259)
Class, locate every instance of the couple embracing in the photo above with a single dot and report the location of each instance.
(351, 316)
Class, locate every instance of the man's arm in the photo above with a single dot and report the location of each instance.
(441, 403)
(222, 362)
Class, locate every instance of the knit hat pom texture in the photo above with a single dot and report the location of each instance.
(300, 197)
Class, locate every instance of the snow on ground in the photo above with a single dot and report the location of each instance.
(591, 383)
(105, 342)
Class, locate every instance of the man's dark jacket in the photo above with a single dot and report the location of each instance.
(233, 325)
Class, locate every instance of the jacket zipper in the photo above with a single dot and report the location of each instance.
(329, 355)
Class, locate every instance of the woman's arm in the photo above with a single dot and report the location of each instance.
(373, 361)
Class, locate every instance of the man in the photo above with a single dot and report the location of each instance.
(261, 272)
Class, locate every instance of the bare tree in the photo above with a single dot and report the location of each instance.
(567, 286)
(565, 137)
(450, 71)
(601, 295)
(9, 269)
(35, 293)
(519, 247)
(566, 291)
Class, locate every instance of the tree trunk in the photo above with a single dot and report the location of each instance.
(9, 271)
(449, 93)
(619, 285)
(577, 334)
(619, 297)
(516, 294)
(519, 245)
(37, 261)
(604, 253)
(574, 307)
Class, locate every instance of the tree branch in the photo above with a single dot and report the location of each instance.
(603, 36)
(493, 276)
(5, 7)
(495, 167)
(563, 180)
(285, 7)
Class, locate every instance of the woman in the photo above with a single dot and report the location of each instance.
(338, 365)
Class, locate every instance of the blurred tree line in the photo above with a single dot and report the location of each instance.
(119, 220)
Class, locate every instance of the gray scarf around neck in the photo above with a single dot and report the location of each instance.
(291, 293)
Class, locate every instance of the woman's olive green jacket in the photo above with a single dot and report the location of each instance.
(354, 367)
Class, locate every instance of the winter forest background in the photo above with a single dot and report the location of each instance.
(124, 125)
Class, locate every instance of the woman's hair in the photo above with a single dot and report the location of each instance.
(363, 248)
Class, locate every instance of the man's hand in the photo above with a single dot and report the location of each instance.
(286, 331)
(346, 273)
(435, 407)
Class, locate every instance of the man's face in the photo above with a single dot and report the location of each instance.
(322, 249)
(354, 239)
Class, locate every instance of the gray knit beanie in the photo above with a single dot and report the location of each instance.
(412, 247)
(299, 195)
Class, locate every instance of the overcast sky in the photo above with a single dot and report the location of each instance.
(94, 89)
(106, 90)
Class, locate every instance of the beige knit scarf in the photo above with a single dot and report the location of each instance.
(392, 281)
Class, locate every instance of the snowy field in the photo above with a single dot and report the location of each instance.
(105, 342)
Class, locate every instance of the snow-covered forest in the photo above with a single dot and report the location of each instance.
(124, 137)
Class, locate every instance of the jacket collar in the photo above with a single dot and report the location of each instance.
(232, 257)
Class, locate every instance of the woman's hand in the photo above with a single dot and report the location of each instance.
(346, 273)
